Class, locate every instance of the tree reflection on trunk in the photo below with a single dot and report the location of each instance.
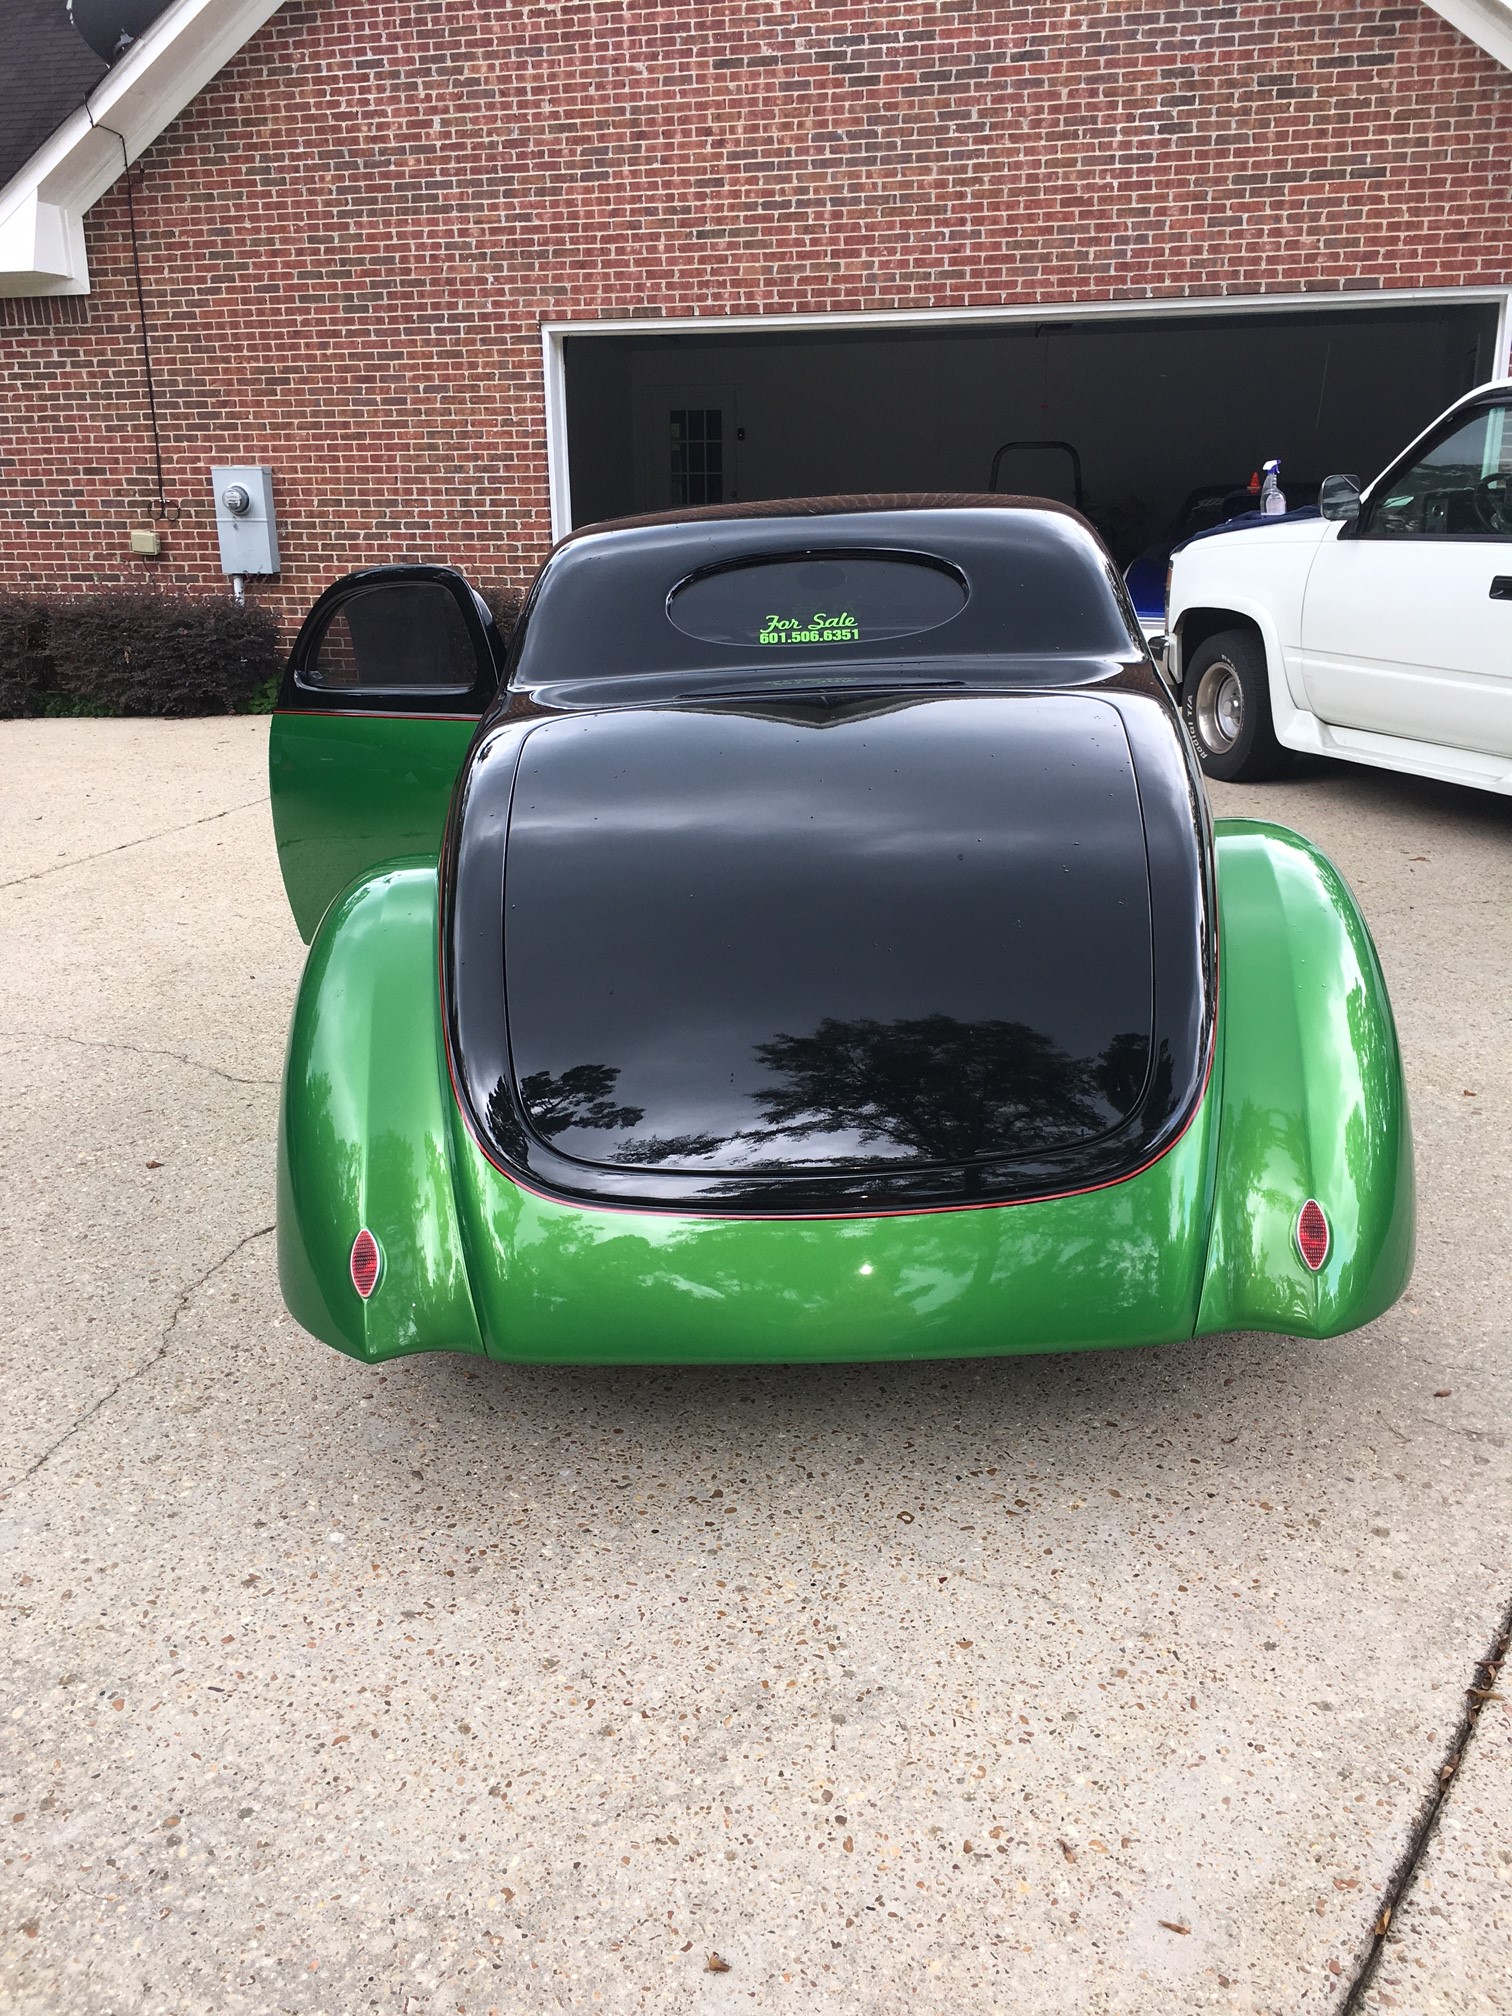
(931, 1089)
(944, 1090)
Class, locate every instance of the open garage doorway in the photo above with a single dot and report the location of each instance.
(1139, 409)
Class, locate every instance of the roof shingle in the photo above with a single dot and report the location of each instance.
(46, 70)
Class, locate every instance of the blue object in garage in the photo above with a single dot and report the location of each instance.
(1209, 510)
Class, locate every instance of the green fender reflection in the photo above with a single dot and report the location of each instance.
(604, 1287)
(1313, 1099)
(364, 1136)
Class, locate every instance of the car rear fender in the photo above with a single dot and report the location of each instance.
(364, 1134)
(1313, 1100)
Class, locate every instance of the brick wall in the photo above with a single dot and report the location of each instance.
(349, 240)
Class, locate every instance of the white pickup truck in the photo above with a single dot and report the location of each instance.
(1380, 631)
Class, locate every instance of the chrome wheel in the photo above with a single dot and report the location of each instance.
(1218, 708)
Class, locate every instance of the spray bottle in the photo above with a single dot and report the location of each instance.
(1272, 496)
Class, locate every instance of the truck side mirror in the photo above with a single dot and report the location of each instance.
(1339, 497)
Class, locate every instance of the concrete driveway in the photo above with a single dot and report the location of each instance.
(1122, 1682)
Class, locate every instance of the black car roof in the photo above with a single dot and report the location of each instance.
(841, 505)
(1039, 583)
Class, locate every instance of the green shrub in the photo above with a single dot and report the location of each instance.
(24, 665)
(69, 707)
(263, 699)
(136, 652)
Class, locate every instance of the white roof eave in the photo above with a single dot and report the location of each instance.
(42, 206)
(1486, 22)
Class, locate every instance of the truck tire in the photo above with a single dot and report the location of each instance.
(1225, 702)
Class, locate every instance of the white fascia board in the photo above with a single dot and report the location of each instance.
(1486, 22)
(42, 206)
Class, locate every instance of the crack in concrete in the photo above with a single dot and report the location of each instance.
(1400, 1882)
(137, 1050)
(185, 1297)
(143, 840)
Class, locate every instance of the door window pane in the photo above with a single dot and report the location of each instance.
(696, 441)
(405, 637)
(1462, 487)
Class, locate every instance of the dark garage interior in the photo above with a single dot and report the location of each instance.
(1154, 406)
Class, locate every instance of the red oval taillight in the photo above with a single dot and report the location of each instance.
(1312, 1234)
(367, 1263)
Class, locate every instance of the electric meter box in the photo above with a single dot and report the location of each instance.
(244, 519)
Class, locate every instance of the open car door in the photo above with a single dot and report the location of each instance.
(382, 695)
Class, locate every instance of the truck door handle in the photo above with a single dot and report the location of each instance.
(1501, 587)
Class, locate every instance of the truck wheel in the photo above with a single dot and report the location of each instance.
(1225, 702)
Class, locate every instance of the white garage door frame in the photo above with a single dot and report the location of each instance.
(554, 335)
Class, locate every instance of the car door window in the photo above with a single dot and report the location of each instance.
(1460, 488)
(403, 638)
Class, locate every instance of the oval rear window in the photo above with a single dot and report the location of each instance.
(814, 600)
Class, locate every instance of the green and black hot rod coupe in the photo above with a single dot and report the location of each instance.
(805, 939)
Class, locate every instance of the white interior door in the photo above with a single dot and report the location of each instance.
(1407, 627)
